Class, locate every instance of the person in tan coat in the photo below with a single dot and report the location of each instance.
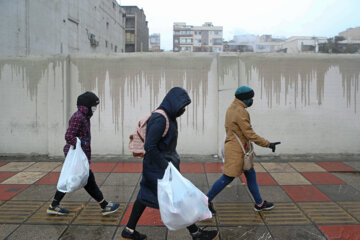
(237, 120)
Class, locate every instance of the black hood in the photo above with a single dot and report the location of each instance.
(175, 100)
(88, 99)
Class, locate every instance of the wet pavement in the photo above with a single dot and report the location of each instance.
(314, 199)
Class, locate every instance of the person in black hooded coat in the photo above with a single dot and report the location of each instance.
(159, 152)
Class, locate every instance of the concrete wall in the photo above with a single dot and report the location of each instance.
(308, 102)
(42, 27)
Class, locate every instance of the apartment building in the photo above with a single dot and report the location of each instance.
(205, 38)
(351, 34)
(154, 42)
(40, 27)
(136, 30)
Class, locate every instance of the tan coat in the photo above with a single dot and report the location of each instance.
(237, 119)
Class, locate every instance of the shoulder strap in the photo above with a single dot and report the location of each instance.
(162, 112)
(242, 147)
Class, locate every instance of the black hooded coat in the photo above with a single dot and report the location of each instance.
(161, 150)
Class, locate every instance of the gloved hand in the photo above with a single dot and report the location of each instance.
(273, 145)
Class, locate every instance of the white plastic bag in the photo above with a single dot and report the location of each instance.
(181, 203)
(75, 171)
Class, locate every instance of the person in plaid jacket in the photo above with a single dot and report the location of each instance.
(79, 126)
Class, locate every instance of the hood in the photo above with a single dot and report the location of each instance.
(175, 100)
(88, 99)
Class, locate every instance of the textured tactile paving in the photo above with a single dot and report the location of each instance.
(17, 211)
(326, 213)
(352, 207)
(285, 213)
(91, 215)
(207, 222)
(237, 214)
(42, 217)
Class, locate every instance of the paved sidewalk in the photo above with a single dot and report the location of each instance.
(314, 200)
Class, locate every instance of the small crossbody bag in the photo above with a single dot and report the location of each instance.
(248, 156)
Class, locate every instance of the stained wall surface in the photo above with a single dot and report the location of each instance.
(308, 102)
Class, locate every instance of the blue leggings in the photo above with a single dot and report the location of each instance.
(224, 180)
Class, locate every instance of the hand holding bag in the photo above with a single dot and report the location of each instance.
(248, 156)
(75, 171)
(181, 203)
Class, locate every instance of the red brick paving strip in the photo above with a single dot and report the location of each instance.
(305, 193)
(335, 167)
(343, 232)
(191, 168)
(150, 217)
(102, 167)
(3, 163)
(7, 191)
(214, 167)
(322, 178)
(6, 175)
(50, 178)
(128, 167)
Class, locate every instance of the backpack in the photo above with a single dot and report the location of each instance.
(137, 139)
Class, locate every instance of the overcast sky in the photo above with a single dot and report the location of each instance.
(283, 18)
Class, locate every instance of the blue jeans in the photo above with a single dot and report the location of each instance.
(224, 180)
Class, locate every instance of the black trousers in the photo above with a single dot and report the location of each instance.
(138, 210)
(91, 187)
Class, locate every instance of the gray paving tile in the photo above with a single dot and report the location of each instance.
(123, 179)
(352, 179)
(6, 229)
(244, 232)
(100, 178)
(42, 192)
(88, 232)
(78, 196)
(301, 232)
(340, 192)
(354, 164)
(274, 194)
(233, 193)
(152, 233)
(116, 193)
(181, 234)
(198, 179)
(213, 177)
(39, 232)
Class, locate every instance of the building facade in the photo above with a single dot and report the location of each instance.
(351, 34)
(205, 38)
(40, 27)
(253, 43)
(154, 42)
(302, 44)
(136, 30)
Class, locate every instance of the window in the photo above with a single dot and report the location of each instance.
(197, 40)
(115, 48)
(217, 41)
(176, 41)
(183, 40)
(106, 43)
(177, 32)
(188, 40)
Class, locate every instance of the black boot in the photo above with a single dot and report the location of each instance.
(202, 234)
(127, 235)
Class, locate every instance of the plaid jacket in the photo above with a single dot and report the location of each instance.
(79, 126)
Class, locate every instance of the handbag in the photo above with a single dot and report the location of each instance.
(248, 156)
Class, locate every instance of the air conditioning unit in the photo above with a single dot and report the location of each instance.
(93, 41)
